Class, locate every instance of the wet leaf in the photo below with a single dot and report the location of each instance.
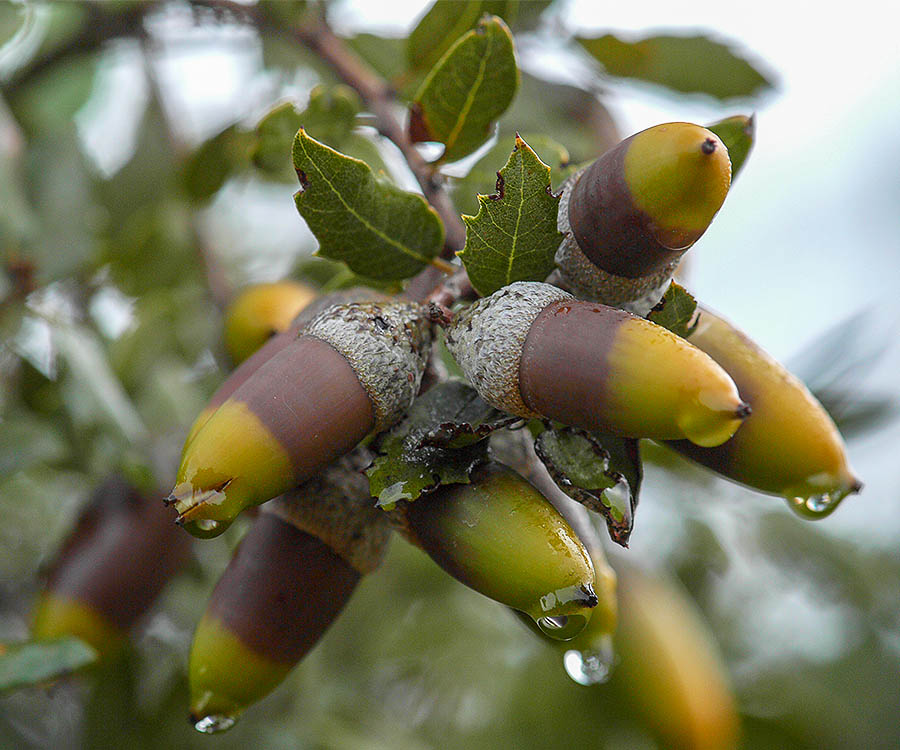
(439, 442)
(602, 472)
(676, 311)
(468, 89)
(514, 236)
(35, 662)
(689, 64)
(377, 229)
(738, 134)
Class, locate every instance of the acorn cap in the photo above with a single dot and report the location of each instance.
(336, 507)
(488, 345)
(386, 344)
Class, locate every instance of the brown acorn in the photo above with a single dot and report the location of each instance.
(353, 370)
(630, 215)
(121, 553)
(287, 582)
(533, 350)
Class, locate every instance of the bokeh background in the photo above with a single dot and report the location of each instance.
(110, 343)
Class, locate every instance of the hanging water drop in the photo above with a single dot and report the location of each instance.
(562, 627)
(214, 723)
(205, 528)
(816, 506)
(590, 666)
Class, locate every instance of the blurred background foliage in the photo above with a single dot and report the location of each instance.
(135, 198)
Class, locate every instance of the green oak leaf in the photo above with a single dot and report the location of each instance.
(377, 229)
(514, 236)
(602, 472)
(482, 177)
(689, 64)
(676, 311)
(440, 441)
(738, 134)
(468, 89)
(36, 662)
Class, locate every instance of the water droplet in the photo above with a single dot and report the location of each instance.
(215, 723)
(618, 499)
(591, 666)
(206, 528)
(562, 627)
(817, 506)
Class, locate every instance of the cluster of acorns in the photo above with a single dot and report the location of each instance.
(290, 420)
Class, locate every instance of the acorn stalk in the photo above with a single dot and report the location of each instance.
(789, 446)
(288, 581)
(353, 370)
(501, 537)
(629, 216)
(259, 312)
(533, 350)
(122, 552)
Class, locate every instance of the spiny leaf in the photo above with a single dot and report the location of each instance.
(35, 662)
(602, 472)
(439, 442)
(738, 134)
(676, 311)
(483, 176)
(690, 64)
(469, 88)
(376, 228)
(514, 236)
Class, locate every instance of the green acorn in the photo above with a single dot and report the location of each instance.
(268, 348)
(789, 446)
(261, 311)
(501, 537)
(630, 215)
(288, 581)
(353, 370)
(670, 666)
(533, 350)
(121, 553)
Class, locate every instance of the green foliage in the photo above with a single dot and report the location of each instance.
(738, 134)
(468, 89)
(514, 236)
(602, 472)
(675, 311)
(689, 64)
(378, 230)
(39, 661)
(439, 442)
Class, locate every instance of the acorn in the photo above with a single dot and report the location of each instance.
(259, 312)
(271, 346)
(121, 553)
(533, 350)
(789, 446)
(352, 371)
(288, 581)
(503, 538)
(670, 665)
(630, 215)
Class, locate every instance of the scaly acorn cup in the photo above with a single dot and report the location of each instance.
(121, 553)
(533, 350)
(353, 370)
(288, 581)
(670, 666)
(501, 537)
(261, 311)
(630, 215)
(789, 446)
(275, 344)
